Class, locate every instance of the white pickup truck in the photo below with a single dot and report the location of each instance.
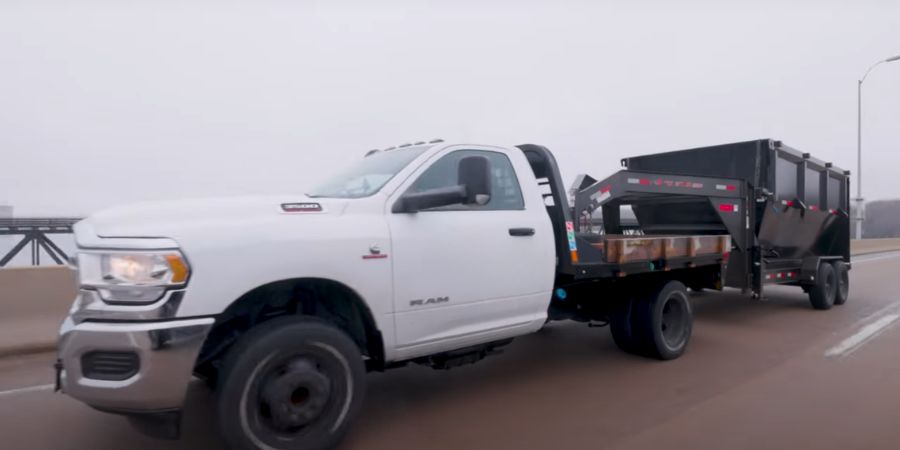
(431, 253)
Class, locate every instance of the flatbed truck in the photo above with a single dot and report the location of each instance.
(429, 253)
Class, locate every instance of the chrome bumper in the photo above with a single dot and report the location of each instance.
(166, 353)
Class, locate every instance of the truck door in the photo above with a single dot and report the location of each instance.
(466, 274)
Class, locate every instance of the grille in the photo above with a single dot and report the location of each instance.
(110, 366)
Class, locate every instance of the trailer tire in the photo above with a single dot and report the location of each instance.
(663, 321)
(291, 382)
(842, 275)
(822, 294)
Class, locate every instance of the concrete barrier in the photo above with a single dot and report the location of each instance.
(35, 301)
(865, 246)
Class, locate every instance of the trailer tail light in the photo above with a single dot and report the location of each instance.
(787, 202)
(729, 207)
(726, 187)
(813, 207)
(782, 275)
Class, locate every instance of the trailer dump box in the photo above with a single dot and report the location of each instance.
(784, 210)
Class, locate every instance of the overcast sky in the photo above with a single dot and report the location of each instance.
(110, 103)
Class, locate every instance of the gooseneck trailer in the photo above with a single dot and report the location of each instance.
(787, 212)
(743, 215)
(434, 254)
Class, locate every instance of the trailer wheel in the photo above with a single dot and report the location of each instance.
(292, 382)
(822, 294)
(842, 275)
(663, 321)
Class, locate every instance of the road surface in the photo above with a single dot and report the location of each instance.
(771, 374)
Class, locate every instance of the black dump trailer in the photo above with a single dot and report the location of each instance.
(787, 213)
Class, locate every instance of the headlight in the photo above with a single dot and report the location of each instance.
(132, 277)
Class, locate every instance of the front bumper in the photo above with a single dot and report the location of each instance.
(166, 353)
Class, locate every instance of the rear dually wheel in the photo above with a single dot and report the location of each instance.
(657, 324)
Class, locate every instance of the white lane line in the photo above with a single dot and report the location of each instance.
(862, 336)
(25, 390)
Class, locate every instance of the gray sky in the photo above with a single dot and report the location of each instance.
(108, 103)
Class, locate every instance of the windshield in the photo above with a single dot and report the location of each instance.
(368, 175)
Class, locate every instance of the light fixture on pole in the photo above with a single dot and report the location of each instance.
(859, 197)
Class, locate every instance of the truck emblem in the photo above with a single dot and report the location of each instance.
(301, 207)
(429, 301)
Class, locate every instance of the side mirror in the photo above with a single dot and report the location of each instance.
(473, 188)
(475, 177)
(431, 198)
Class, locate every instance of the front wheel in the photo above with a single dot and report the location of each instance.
(291, 383)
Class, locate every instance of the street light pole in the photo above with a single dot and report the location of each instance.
(859, 197)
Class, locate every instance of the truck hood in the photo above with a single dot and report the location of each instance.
(170, 219)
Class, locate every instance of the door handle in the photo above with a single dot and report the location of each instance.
(521, 231)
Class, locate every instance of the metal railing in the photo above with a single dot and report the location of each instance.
(35, 231)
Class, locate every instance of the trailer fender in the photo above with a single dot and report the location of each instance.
(810, 267)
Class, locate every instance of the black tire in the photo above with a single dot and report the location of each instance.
(842, 275)
(664, 321)
(823, 293)
(620, 325)
(291, 383)
(657, 324)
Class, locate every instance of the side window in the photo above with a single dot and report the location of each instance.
(505, 191)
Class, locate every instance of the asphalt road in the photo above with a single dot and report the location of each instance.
(771, 374)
